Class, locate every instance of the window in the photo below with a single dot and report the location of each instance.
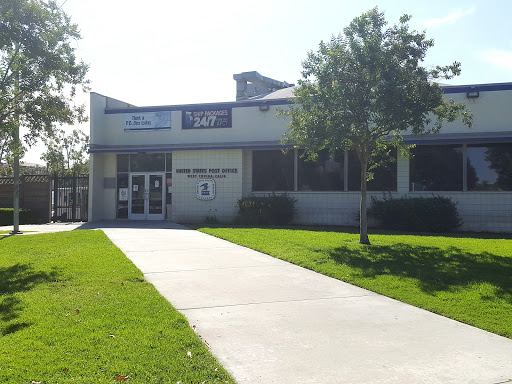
(122, 195)
(324, 174)
(489, 167)
(384, 176)
(123, 163)
(436, 168)
(272, 170)
(168, 177)
(142, 162)
(168, 183)
(168, 162)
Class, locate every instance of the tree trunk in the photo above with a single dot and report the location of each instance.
(16, 168)
(363, 221)
(16, 196)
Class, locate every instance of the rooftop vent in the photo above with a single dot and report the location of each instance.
(251, 84)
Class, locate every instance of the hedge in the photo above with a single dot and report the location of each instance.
(27, 216)
(420, 214)
(266, 210)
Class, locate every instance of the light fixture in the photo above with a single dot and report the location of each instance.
(472, 94)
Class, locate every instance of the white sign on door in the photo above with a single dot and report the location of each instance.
(123, 194)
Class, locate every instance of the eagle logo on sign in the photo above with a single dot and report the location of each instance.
(205, 189)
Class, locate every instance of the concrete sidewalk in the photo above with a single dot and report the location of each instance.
(33, 229)
(268, 321)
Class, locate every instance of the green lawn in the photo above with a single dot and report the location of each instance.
(7, 232)
(462, 277)
(74, 309)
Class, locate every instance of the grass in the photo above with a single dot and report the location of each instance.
(7, 232)
(465, 278)
(74, 309)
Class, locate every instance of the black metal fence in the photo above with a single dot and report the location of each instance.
(70, 198)
(55, 198)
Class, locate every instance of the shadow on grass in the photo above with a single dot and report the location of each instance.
(13, 280)
(436, 269)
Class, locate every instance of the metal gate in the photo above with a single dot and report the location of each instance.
(70, 198)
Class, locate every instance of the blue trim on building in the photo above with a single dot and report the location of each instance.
(447, 89)
(174, 149)
(477, 87)
(407, 140)
(472, 140)
(146, 129)
(195, 107)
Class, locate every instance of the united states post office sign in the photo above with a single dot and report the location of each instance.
(147, 121)
(206, 118)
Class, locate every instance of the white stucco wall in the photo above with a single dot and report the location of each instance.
(491, 112)
(102, 178)
(95, 187)
(248, 124)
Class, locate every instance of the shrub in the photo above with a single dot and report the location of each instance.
(211, 219)
(267, 210)
(420, 214)
(27, 216)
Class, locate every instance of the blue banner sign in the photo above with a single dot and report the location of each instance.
(207, 118)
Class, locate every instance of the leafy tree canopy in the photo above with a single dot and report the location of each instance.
(364, 88)
(66, 154)
(39, 72)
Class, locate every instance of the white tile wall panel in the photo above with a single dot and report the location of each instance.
(186, 208)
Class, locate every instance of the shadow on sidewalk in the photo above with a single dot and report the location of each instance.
(132, 224)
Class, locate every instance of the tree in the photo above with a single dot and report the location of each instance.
(67, 153)
(363, 89)
(5, 151)
(39, 74)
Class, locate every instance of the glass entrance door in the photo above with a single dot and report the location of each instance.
(146, 196)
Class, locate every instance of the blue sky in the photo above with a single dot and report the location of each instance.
(157, 52)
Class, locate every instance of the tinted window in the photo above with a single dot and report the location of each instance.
(168, 182)
(147, 162)
(384, 177)
(168, 162)
(324, 174)
(489, 167)
(122, 196)
(123, 163)
(272, 170)
(436, 168)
